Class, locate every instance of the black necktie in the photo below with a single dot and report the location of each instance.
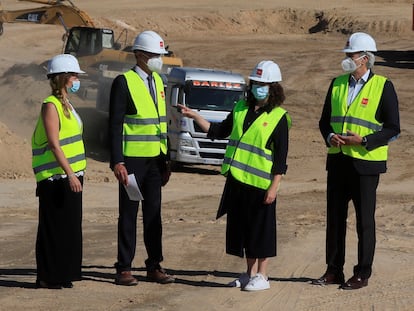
(151, 88)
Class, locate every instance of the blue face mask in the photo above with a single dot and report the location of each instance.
(75, 86)
(260, 92)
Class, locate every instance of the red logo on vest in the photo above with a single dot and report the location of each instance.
(265, 124)
(162, 95)
(364, 102)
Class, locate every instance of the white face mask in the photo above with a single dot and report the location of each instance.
(349, 65)
(155, 64)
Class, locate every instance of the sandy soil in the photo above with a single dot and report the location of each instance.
(227, 35)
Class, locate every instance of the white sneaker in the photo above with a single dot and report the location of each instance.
(256, 283)
(241, 282)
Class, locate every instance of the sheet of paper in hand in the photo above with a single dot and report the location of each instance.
(134, 193)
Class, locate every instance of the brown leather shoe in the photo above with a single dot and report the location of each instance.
(356, 282)
(160, 276)
(125, 278)
(328, 279)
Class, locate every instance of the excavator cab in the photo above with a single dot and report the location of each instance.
(84, 41)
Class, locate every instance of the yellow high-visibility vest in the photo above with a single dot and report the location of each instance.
(359, 117)
(44, 163)
(145, 133)
(246, 156)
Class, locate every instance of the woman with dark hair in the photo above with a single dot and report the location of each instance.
(58, 161)
(254, 162)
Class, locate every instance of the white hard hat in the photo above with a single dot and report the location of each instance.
(266, 71)
(63, 63)
(149, 41)
(360, 42)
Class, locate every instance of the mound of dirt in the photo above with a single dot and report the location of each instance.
(14, 155)
(258, 21)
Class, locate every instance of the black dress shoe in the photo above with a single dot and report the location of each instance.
(356, 282)
(67, 285)
(43, 284)
(328, 279)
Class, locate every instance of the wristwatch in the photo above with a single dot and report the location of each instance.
(364, 142)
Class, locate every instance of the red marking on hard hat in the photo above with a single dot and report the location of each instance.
(259, 72)
(161, 44)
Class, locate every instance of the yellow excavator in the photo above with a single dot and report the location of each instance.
(96, 49)
(55, 13)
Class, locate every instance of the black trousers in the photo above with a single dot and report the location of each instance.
(59, 233)
(148, 175)
(344, 185)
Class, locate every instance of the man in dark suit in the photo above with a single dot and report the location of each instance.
(138, 145)
(359, 118)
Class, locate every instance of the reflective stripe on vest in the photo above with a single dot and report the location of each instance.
(359, 117)
(44, 163)
(247, 157)
(145, 133)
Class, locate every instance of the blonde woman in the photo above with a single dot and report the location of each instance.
(58, 161)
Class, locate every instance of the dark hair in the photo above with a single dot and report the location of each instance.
(276, 96)
(58, 83)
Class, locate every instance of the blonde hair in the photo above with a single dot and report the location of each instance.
(58, 83)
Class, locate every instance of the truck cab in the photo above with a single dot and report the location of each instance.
(213, 94)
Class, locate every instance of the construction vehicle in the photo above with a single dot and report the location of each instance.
(103, 58)
(96, 49)
(55, 13)
(213, 93)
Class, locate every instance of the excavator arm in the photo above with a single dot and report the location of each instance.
(55, 13)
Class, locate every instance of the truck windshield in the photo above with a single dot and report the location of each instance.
(212, 98)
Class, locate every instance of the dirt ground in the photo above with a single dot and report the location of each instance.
(231, 35)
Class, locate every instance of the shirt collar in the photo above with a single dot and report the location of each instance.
(141, 72)
(363, 79)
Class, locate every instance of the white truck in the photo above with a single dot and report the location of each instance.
(212, 93)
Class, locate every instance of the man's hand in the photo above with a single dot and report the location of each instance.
(351, 138)
(337, 140)
(121, 173)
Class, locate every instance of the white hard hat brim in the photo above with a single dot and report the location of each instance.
(76, 71)
(139, 48)
(354, 51)
(251, 78)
